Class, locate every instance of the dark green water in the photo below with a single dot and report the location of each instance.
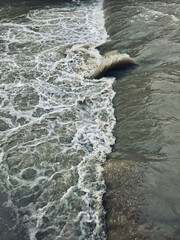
(143, 171)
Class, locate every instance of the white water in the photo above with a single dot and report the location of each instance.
(56, 125)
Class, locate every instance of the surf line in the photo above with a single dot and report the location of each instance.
(112, 60)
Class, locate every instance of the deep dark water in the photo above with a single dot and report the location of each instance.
(143, 171)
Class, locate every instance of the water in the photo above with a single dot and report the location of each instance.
(56, 125)
(142, 172)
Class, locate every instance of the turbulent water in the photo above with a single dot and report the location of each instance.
(55, 124)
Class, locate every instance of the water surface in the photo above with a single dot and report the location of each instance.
(56, 125)
(142, 174)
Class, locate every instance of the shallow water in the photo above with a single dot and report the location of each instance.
(56, 125)
(142, 173)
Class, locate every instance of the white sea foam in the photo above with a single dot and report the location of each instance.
(57, 125)
(153, 15)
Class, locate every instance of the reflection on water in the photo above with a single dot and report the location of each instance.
(142, 173)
